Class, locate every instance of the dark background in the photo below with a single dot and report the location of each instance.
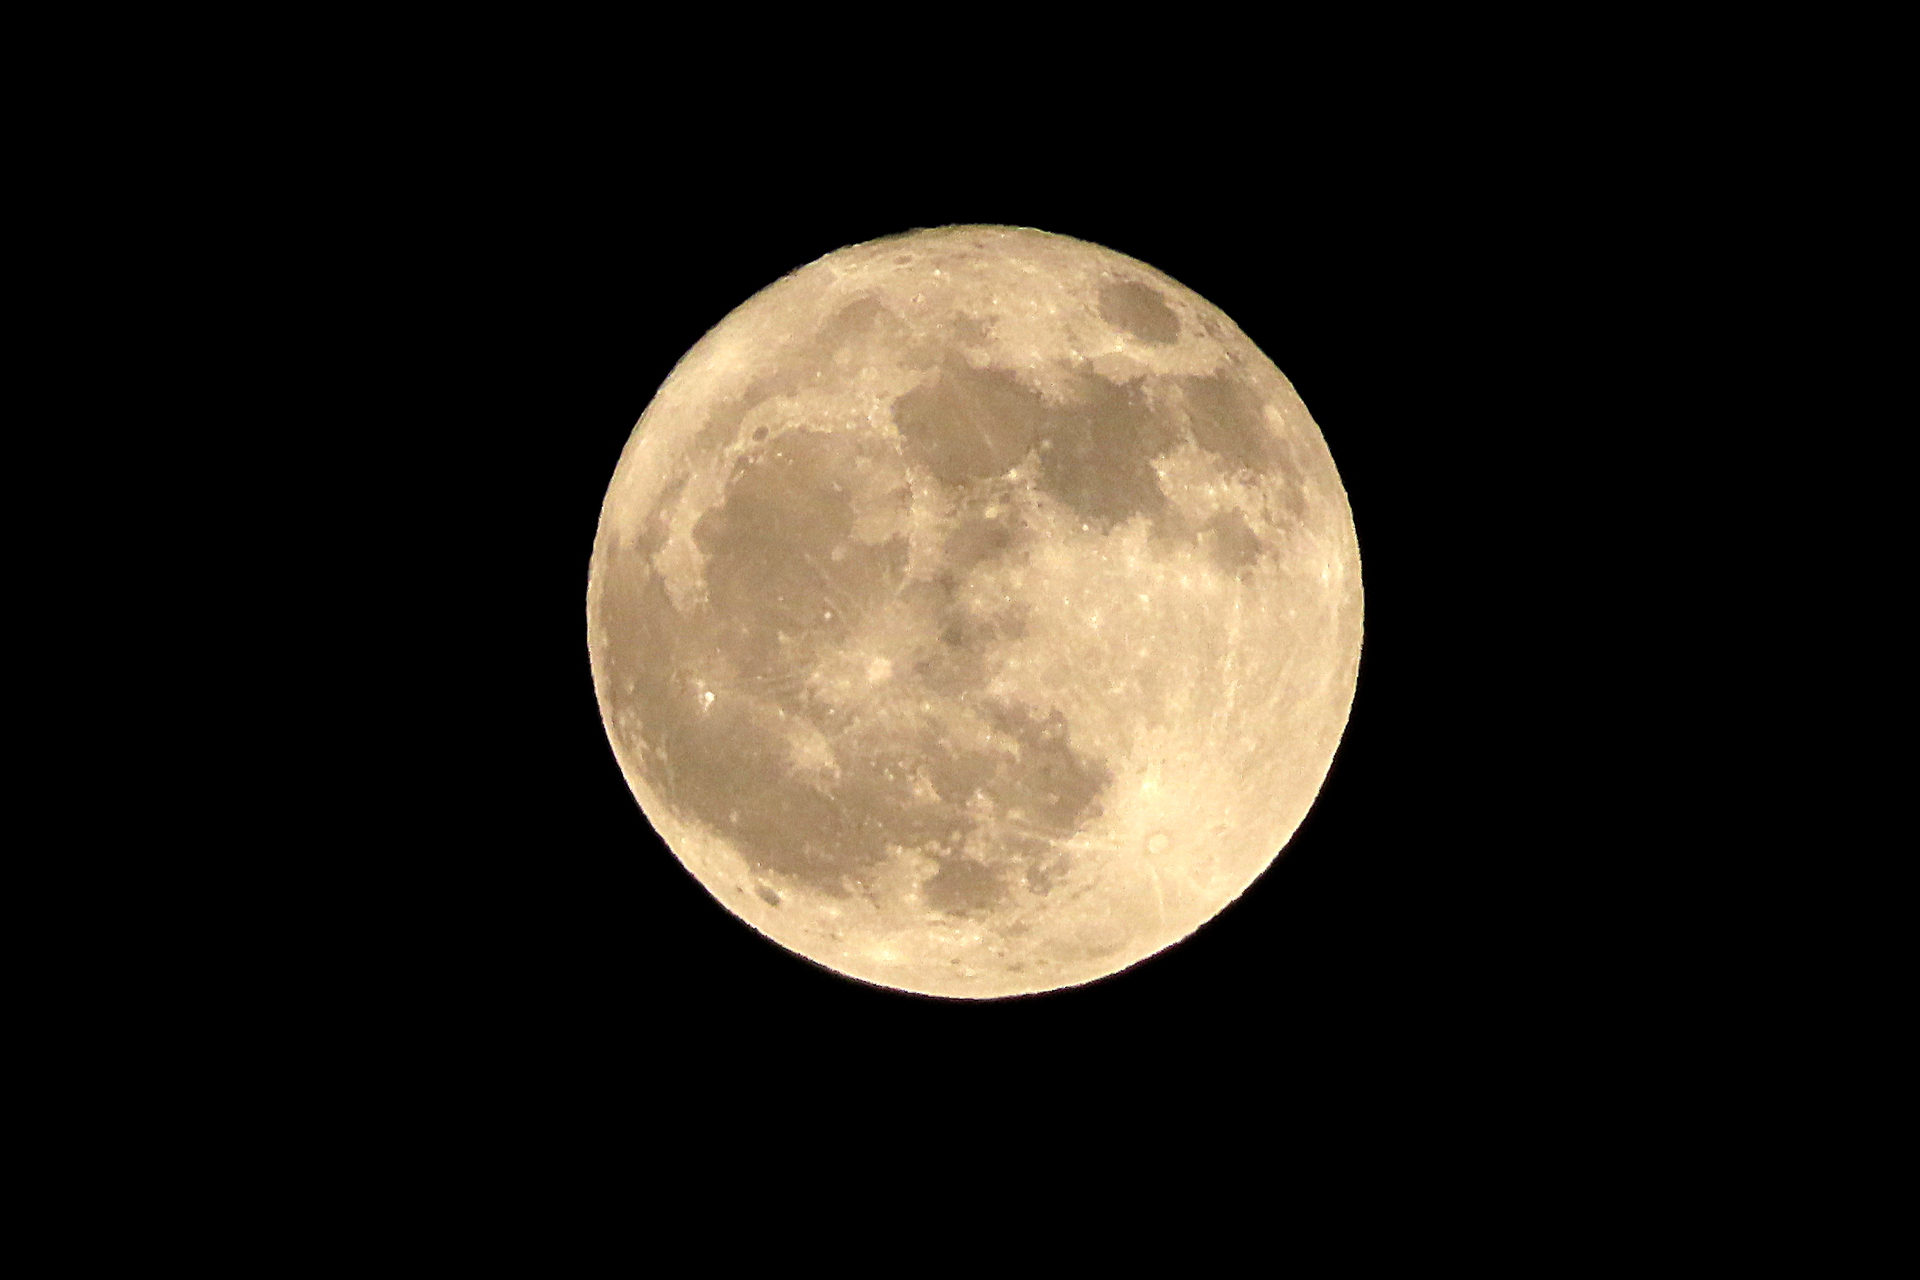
(412, 901)
(528, 300)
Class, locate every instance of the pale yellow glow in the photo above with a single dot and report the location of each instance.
(975, 612)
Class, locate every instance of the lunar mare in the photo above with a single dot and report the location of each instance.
(975, 612)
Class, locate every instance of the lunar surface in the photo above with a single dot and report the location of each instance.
(975, 612)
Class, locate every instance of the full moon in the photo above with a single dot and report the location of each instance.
(975, 612)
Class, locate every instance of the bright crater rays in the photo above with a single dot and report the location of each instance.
(975, 612)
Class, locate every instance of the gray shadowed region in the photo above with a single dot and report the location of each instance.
(1140, 311)
(1230, 543)
(1226, 416)
(723, 696)
(969, 424)
(1095, 453)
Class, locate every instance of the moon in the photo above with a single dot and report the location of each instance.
(975, 612)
